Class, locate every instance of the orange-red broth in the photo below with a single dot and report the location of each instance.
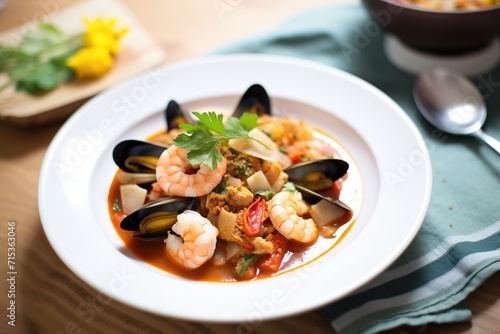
(154, 252)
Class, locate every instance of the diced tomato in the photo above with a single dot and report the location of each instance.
(252, 219)
(272, 262)
(294, 157)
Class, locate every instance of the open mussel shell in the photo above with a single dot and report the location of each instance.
(330, 214)
(152, 236)
(136, 178)
(176, 115)
(317, 175)
(162, 208)
(136, 156)
(255, 100)
(313, 197)
(156, 225)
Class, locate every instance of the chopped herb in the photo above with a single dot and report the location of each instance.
(242, 169)
(117, 206)
(268, 194)
(289, 186)
(283, 150)
(221, 188)
(247, 261)
(267, 133)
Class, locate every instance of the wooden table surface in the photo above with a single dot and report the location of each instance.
(49, 297)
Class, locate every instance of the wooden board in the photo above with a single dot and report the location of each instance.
(139, 52)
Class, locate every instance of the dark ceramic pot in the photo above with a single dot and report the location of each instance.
(435, 31)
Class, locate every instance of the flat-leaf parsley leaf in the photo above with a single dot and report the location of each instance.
(201, 140)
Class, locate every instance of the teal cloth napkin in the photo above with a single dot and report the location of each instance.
(458, 246)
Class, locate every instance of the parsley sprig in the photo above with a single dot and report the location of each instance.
(203, 138)
(37, 64)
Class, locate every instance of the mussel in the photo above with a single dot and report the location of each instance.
(327, 212)
(155, 219)
(175, 115)
(315, 176)
(255, 100)
(313, 197)
(137, 156)
(314, 179)
(138, 160)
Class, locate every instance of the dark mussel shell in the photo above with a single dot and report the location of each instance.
(312, 197)
(255, 100)
(175, 115)
(331, 213)
(136, 148)
(332, 169)
(170, 204)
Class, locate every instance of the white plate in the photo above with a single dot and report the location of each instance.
(386, 146)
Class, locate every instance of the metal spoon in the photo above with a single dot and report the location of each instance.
(450, 102)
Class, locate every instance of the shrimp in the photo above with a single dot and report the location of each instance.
(176, 176)
(194, 240)
(286, 211)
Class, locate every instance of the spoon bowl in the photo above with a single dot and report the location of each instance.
(450, 102)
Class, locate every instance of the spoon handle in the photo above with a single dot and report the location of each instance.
(492, 142)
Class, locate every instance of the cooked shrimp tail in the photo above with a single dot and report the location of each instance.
(194, 240)
(176, 176)
(286, 211)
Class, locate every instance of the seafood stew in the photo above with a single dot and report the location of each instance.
(242, 198)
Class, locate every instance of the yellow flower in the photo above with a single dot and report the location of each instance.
(102, 33)
(91, 62)
(100, 42)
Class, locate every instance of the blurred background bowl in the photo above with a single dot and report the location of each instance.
(434, 30)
